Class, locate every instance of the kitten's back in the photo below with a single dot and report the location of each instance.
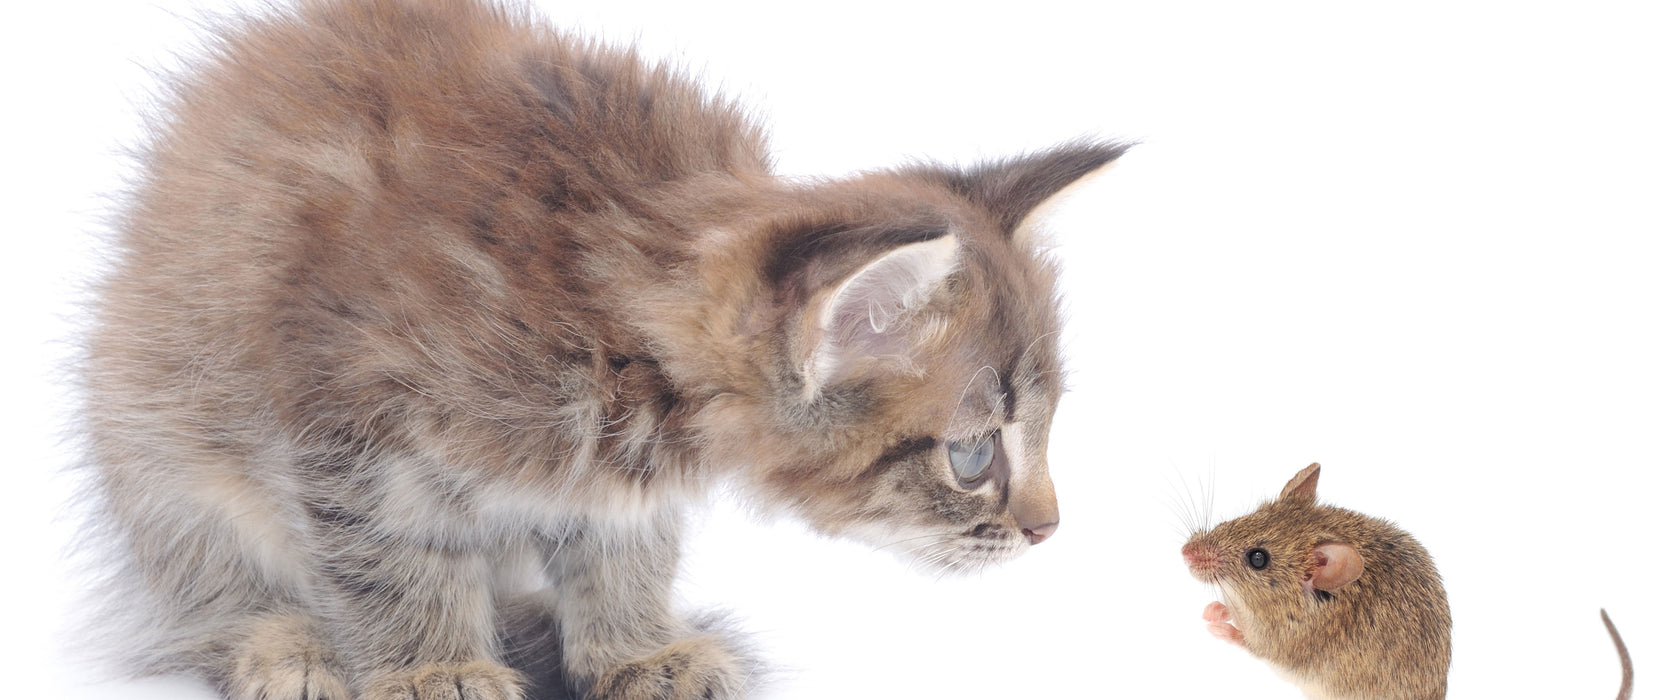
(346, 202)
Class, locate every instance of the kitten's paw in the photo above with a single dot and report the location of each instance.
(697, 668)
(283, 657)
(469, 681)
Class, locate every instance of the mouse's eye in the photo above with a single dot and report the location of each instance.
(1257, 558)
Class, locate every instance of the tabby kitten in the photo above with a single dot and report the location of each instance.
(428, 322)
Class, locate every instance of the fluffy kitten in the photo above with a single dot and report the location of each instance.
(428, 322)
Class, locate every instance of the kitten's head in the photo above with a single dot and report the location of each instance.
(907, 358)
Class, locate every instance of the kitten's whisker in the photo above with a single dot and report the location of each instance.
(950, 565)
(933, 557)
(963, 397)
(896, 543)
(1036, 341)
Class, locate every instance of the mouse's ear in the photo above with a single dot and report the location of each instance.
(1304, 486)
(1334, 565)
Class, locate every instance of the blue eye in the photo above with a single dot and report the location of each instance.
(971, 459)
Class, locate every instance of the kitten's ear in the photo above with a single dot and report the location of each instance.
(863, 318)
(1304, 485)
(1013, 189)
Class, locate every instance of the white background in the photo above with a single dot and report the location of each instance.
(1434, 246)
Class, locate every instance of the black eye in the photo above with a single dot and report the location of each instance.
(1257, 558)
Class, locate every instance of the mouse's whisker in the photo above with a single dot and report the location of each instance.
(1207, 496)
(1184, 505)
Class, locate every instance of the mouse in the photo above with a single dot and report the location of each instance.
(1344, 605)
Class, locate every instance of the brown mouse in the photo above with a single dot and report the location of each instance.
(1343, 604)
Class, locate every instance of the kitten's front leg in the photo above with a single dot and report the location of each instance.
(413, 620)
(619, 638)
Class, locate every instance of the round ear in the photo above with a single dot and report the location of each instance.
(1334, 565)
(1303, 486)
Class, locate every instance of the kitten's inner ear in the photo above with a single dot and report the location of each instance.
(865, 317)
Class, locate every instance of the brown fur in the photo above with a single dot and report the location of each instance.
(1625, 691)
(1386, 635)
(424, 313)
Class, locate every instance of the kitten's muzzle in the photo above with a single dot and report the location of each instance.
(1036, 513)
(1038, 533)
(1031, 495)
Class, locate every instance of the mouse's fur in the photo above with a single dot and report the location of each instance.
(1382, 632)
(1626, 691)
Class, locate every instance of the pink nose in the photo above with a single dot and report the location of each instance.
(1038, 533)
(1202, 558)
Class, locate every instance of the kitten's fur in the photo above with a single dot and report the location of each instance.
(417, 301)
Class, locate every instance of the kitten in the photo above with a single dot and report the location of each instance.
(428, 322)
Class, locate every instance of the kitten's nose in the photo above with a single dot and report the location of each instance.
(1032, 498)
(1038, 533)
(1034, 508)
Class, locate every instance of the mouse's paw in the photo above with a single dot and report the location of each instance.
(1227, 632)
(1218, 618)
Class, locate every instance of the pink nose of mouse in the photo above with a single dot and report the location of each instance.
(1202, 558)
(1038, 533)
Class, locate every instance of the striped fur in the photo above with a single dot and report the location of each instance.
(428, 323)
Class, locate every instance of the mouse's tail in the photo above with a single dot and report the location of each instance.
(1621, 650)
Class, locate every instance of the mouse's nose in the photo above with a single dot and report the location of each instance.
(1038, 533)
(1202, 557)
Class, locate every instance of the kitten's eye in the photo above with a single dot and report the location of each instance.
(1257, 558)
(972, 458)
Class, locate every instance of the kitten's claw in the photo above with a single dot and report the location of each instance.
(468, 681)
(697, 668)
